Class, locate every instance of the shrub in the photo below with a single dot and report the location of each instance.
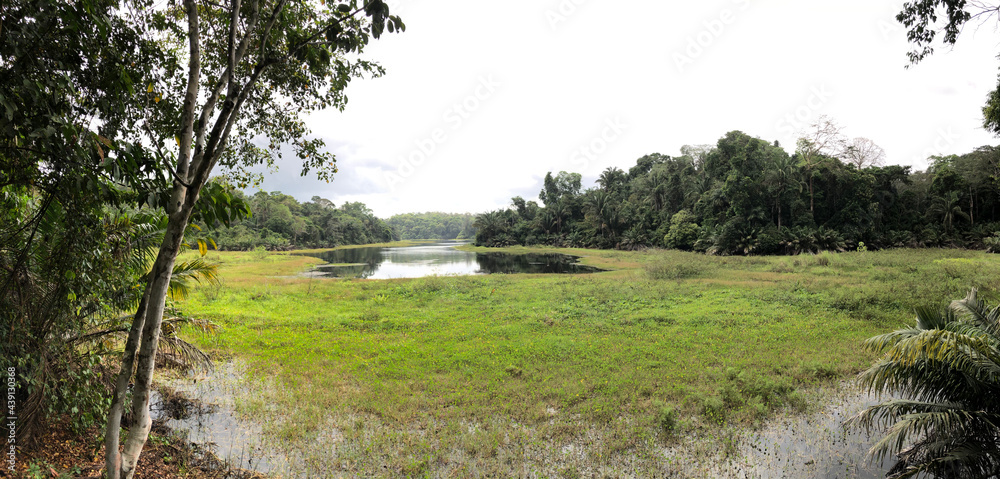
(666, 418)
(667, 269)
(992, 243)
(683, 232)
(259, 253)
(714, 408)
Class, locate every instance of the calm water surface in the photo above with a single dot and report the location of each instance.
(437, 259)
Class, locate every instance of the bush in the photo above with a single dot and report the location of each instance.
(666, 418)
(823, 259)
(259, 253)
(666, 269)
(714, 408)
(683, 232)
(992, 243)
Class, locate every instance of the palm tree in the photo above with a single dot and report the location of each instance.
(948, 208)
(64, 339)
(143, 232)
(611, 178)
(781, 174)
(947, 370)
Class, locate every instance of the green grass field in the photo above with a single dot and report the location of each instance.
(555, 375)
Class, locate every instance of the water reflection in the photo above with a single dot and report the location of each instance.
(437, 259)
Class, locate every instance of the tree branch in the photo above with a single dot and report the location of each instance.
(225, 79)
(191, 97)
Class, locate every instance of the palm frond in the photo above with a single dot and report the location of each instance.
(974, 308)
(885, 341)
(186, 272)
(175, 352)
(929, 318)
(936, 365)
(926, 381)
(947, 369)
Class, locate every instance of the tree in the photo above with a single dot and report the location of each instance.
(948, 208)
(550, 190)
(863, 153)
(697, 153)
(612, 179)
(781, 174)
(323, 203)
(920, 18)
(569, 184)
(252, 70)
(823, 139)
(683, 231)
(645, 164)
(945, 368)
(68, 155)
(603, 212)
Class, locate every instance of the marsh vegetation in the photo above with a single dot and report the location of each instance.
(657, 366)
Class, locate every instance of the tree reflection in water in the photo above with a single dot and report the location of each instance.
(437, 259)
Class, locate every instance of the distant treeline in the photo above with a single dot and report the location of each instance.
(748, 196)
(280, 222)
(433, 226)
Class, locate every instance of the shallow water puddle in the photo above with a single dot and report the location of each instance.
(816, 445)
(209, 420)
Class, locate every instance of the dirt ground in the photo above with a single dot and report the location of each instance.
(63, 454)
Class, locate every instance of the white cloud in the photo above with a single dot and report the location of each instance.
(558, 86)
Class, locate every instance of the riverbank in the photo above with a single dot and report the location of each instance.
(543, 375)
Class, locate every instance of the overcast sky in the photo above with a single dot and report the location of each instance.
(481, 99)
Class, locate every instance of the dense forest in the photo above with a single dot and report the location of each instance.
(446, 226)
(280, 222)
(749, 196)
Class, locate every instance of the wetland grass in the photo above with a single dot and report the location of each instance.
(555, 375)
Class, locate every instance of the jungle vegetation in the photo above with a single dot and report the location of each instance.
(748, 196)
(279, 222)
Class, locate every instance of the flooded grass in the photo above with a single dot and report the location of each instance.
(564, 376)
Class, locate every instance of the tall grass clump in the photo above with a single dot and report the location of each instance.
(676, 265)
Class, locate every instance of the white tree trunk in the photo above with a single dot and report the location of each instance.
(112, 459)
(149, 322)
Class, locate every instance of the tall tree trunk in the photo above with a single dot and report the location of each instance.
(124, 464)
(811, 194)
(201, 142)
(112, 458)
(972, 210)
(779, 212)
(145, 332)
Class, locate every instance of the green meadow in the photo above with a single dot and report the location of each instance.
(639, 370)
